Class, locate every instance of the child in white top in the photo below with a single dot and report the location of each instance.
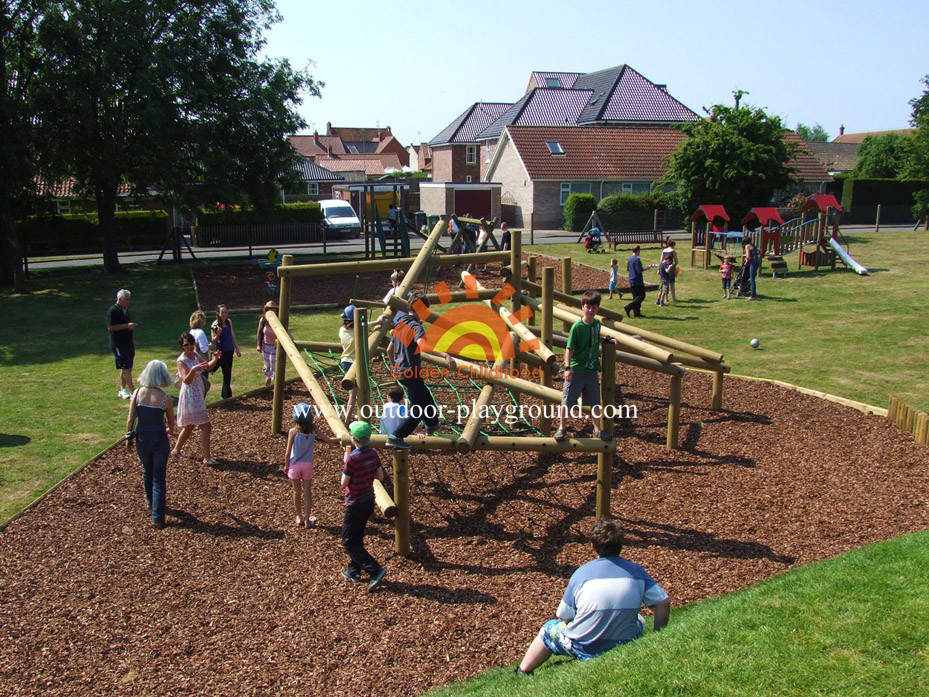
(347, 359)
(298, 462)
(614, 277)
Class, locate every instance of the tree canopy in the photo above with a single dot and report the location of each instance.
(169, 96)
(812, 134)
(888, 156)
(737, 157)
(919, 163)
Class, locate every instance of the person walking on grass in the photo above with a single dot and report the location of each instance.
(582, 365)
(636, 283)
(149, 413)
(753, 261)
(725, 272)
(671, 253)
(120, 327)
(361, 467)
(298, 462)
(600, 607)
(614, 278)
(267, 343)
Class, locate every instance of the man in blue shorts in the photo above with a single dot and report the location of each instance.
(600, 608)
(120, 326)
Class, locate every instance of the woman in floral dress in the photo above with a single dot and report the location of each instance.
(191, 405)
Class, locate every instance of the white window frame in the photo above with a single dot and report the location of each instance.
(487, 153)
(554, 147)
(568, 188)
(626, 187)
(470, 154)
(565, 192)
(62, 205)
(312, 188)
(468, 179)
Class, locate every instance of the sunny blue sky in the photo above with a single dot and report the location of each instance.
(415, 65)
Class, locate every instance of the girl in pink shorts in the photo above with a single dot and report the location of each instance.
(298, 462)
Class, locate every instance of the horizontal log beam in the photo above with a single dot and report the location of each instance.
(512, 443)
(354, 267)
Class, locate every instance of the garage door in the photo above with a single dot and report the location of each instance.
(473, 202)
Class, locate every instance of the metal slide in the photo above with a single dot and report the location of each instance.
(847, 258)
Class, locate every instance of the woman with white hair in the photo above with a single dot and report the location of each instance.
(149, 410)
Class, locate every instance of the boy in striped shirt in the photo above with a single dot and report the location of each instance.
(361, 467)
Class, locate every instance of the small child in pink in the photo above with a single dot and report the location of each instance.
(725, 270)
(298, 462)
(267, 344)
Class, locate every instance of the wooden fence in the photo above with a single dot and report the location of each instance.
(909, 419)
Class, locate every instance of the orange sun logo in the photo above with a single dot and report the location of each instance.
(471, 331)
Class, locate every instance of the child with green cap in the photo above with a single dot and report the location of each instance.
(361, 467)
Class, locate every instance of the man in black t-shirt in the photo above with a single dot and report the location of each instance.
(120, 327)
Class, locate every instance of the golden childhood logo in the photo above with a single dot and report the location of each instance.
(472, 331)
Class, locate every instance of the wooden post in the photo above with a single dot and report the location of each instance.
(674, 412)
(516, 280)
(655, 220)
(531, 277)
(363, 395)
(401, 465)
(280, 358)
(922, 424)
(548, 300)
(717, 390)
(877, 219)
(892, 410)
(566, 287)
(607, 403)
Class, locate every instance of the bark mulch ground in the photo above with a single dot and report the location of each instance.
(244, 286)
(232, 599)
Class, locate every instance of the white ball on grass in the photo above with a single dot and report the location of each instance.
(755, 343)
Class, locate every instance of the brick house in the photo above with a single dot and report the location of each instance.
(317, 182)
(357, 154)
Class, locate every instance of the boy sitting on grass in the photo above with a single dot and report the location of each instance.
(582, 365)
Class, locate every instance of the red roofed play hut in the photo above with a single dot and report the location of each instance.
(764, 222)
(822, 212)
(707, 223)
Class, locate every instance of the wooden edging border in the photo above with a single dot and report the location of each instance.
(118, 443)
(858, 406)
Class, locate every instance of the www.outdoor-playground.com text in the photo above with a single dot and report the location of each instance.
(507, 413)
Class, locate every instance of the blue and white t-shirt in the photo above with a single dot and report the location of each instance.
(602, 601)
(393, 414)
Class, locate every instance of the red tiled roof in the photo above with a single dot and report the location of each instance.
(809, 169)
(371, 165)
(69, 188)
(859, 137)
(630, 152)
(821, 202)
(357, 134)
(310, 146)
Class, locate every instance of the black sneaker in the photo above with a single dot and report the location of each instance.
(560, 435)
(605, 436)
(398, 443)
(432, 431)
(352, 576)
(376, 579)
(520, 671)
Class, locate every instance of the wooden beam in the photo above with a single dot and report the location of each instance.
(674, 413)
(363, 395)
(384, 503)
(605, 459)
(502, 443)
(353, 267)
(401, 465)
(472, 429)
(280, 359)
(548, 288)
(319, 395)
(633, 359)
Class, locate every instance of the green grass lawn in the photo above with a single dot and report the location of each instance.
(857, 624)
(859, 337)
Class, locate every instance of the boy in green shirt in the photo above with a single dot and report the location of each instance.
(582, 365)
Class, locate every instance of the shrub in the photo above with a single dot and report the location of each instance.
(629, 211)
(307, 212)
(75, 232)
(577, 210)
(889, 192)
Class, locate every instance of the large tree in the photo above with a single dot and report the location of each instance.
(20, 58)
(888, 156)
(168, 95)
(919, 163)
(737, 157)
(812, 134)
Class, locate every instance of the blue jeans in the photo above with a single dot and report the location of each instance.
(427, 411)
(752, 275)
(153, 454)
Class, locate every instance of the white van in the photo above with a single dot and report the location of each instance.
(340, 218)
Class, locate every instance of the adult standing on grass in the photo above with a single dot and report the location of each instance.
(753, 260)
(191, 404)
(600, 607)
(120, 327)
(636, 283)
(226, 343)
(149, 411)
(671, 253)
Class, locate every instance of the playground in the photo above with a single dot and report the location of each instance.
(218, 601)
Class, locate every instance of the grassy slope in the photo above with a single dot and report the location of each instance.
(854, 625)
(863, 338)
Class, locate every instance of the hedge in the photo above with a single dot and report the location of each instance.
(629, 211)
(285, 213)
(76, 232)
(870, 192)
(577, 210)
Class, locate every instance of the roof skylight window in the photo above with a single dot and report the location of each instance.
(554, 147)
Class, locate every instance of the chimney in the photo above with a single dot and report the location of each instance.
(842, 130)
(316, 137)
(329, 150)
(328, 128)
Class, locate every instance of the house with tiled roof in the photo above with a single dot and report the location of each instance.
(316, 182)
(356, 154)
(836, 158)
(858, 138)
(455, 150)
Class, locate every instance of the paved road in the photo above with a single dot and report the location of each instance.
(538, 237)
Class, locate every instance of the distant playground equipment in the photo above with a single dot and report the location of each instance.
(518, 360)
(270, 264)
(818, 224)
(614, 238)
